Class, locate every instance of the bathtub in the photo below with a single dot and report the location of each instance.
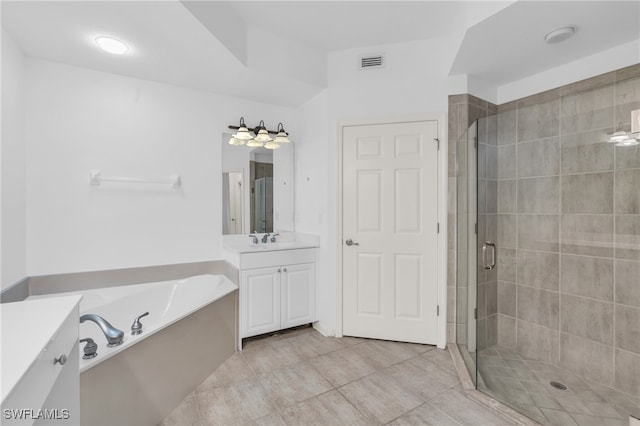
(190, 330)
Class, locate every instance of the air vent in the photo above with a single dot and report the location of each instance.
(371, 62)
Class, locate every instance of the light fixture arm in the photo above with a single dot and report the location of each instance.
(257, 128)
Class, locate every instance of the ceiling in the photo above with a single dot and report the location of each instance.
(229, 47)
(337, 25)
(509, 45)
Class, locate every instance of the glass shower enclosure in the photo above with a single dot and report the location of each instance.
(545, 259)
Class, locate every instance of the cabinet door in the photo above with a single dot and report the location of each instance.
(260, 301)
(298, 294)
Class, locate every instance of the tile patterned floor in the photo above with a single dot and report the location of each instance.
(524, 385)
(303, 378)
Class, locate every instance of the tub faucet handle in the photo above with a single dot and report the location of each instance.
(136, 327)
(90, 349)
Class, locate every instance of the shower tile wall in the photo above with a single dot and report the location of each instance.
(567, 226)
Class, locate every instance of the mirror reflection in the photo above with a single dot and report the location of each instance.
(257, 188)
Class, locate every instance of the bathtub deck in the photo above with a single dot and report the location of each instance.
(301, 377)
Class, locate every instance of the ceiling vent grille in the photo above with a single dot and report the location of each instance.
(371, 62)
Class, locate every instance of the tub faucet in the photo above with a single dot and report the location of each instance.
(113, 335)
(265, 237)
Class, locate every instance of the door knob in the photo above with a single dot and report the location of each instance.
(350, 242)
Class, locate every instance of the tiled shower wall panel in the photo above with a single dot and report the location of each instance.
(567, 225)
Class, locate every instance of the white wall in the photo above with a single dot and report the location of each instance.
(312, 209)
(414, 80)
(78, 120)
(612, 59)
(13, 225)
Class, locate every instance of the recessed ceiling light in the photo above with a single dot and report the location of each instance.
(112, 45)
(561, 34)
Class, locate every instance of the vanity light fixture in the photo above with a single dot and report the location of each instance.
(622, 138)
(243, 131)
(261, 138)
(281, 137)
(263, 134)
(112, 45)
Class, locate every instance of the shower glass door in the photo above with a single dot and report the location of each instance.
(467, 247)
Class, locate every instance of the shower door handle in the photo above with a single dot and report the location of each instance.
(486, 247)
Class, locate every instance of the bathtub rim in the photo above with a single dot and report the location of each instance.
(105, 352)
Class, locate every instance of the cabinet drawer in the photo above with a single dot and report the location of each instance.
(34, 387)
(266, 259)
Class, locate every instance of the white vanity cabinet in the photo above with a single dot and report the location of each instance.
(277, 290)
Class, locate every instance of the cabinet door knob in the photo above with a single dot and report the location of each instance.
(285, 269)
(279, 270)
(62, 360)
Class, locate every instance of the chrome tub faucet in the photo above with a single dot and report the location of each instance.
(113, 335)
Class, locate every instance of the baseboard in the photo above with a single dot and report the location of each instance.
(324, 330)
(16, 292)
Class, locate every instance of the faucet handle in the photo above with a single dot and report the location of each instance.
(255, 238)
(90, 349)
(273, 237)
(136, 327)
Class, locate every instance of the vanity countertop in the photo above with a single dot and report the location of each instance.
(286, 241)
(27, 328)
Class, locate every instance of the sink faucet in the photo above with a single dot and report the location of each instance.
(265, 237)
(113, 335)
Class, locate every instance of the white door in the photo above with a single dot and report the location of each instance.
(298, 294)
(260, 299)
(390, 258)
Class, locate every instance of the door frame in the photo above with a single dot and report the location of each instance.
(442, 212)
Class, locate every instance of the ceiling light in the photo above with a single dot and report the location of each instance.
(281, 137)
(561, 34)
(112, 45)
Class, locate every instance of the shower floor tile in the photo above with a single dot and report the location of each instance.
(304, 378)
(524, 384)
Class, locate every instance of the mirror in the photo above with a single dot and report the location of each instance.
(257, 188)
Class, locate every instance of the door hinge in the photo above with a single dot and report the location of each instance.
(438, 227)
(475, 313)
(438, 142)
(438, 310)
(476, 226)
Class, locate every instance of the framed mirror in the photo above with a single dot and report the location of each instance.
(257, 188)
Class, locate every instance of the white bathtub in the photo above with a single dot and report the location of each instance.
(166, 302)
(191, 329)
